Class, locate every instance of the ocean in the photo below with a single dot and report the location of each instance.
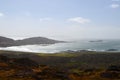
(90, 45)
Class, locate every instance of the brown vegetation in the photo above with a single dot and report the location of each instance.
(26, 68)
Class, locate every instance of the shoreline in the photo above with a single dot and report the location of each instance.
(60, 52)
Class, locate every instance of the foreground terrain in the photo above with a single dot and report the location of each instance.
(59, 66)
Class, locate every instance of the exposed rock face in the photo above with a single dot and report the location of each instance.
(6, 42)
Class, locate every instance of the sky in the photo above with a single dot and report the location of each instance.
(60, 19)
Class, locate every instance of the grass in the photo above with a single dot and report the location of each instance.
(76, 66)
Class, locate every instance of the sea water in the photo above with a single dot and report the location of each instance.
(90, 45)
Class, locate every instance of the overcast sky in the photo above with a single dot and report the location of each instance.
(60, 19)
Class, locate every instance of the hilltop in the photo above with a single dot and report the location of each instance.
(6, 42)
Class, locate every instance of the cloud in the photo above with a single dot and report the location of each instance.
(1, 14)
(45, 19)
(114, 6)
(79, 20)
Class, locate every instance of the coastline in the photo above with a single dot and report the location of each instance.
(81, 45)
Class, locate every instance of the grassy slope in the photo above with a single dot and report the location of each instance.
(63, 66)
(69, 60)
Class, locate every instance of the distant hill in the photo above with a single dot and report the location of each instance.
(6, 42)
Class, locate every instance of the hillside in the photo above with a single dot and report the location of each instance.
(59, 66)
(36, 40)
(84, 60)
(6, 42)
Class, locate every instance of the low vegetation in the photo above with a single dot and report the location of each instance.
(59, 66)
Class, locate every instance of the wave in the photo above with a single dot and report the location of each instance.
(31, 48)
(108, 46)
(43, 49)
